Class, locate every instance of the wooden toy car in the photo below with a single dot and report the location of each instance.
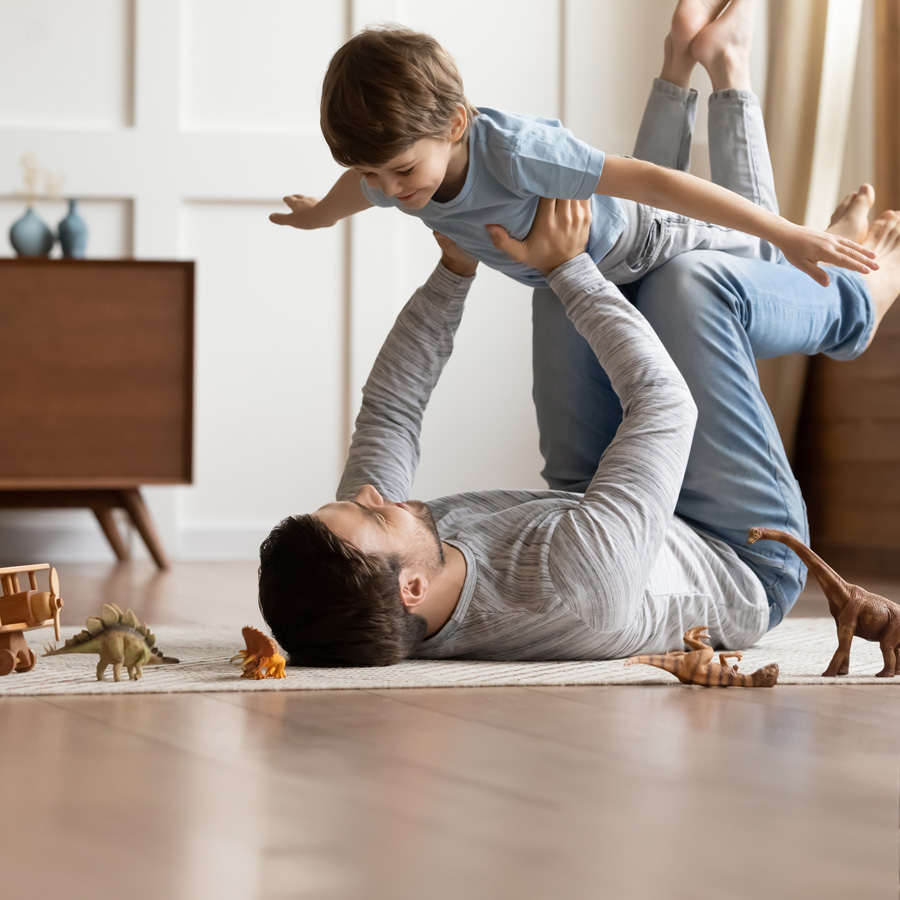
(24, 611)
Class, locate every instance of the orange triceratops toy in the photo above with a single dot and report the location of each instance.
(261, 659)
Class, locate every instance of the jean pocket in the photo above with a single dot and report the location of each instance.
(767, 569)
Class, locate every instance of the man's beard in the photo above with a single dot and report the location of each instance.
(421, 511)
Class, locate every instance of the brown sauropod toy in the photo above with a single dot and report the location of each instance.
(855, 610)
(696, 666)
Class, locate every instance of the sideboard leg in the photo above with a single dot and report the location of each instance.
(113, 535)
(134, 503)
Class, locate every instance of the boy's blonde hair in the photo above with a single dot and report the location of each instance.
(385, 89)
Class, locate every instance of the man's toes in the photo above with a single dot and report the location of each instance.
(877, 231)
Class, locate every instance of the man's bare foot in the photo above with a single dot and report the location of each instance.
(690, 18)
(851, 218)
(723, 46)
(884, 282)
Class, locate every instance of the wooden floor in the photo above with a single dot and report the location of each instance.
(586, 792)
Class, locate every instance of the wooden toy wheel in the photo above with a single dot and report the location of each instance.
(7, 661)
(30, 660)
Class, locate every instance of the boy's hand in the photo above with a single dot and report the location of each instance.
(559, 233)
(805, 247)
(457, 261)
(302, 215)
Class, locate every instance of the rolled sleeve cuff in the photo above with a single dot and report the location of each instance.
(593, 168)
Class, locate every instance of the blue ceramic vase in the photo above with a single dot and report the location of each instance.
(30, 235)
(73, 233)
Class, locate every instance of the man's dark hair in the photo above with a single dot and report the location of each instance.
(330, 604)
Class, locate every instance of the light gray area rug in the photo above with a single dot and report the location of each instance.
(801, 647)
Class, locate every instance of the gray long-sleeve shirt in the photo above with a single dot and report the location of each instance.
(551, 574)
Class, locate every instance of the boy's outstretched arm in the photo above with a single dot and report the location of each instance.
(643, 182)
(344, 199)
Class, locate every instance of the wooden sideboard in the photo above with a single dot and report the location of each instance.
(96, 386)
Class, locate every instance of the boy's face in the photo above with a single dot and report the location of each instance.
(415, 175)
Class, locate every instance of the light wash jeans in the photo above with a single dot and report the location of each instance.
(739, 161)
(715, 313)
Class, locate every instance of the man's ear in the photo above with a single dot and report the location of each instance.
(458, 122)
(413, 589)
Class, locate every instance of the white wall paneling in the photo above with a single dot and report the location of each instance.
(256, 66)
(51, 73)
(269, 375)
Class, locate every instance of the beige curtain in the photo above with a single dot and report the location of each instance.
(812, 60)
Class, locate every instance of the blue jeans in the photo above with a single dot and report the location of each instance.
(739, 160)
(715, 313)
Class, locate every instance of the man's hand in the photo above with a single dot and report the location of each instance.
(454, 259)
(805, 247)
(559, 233)
(303, 213)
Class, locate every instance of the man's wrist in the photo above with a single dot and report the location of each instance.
(571, 273)
(554, 263)
(457, 267)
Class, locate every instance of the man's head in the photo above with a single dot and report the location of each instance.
(340, 587)
(393, 106)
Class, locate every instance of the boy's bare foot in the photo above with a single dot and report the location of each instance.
(723, 46)
(884, 282)
(690, 18)
(851, 218)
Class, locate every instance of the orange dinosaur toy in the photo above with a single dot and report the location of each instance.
(854, 610)
(261, 659)
(696, 666)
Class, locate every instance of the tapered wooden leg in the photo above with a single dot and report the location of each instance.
(113, 535)
(134, 503)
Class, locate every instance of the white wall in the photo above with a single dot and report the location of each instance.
(181, 123)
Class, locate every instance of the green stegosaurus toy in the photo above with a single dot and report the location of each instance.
(120, 639)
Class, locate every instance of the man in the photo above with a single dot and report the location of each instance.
(554, 575)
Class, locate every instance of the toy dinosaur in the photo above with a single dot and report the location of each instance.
(854, 610)
(261, 659)
(120, 639)
(695, 666)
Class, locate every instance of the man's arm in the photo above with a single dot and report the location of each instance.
(344, 199)
(643, 182)
(385, 446)
(602, 551)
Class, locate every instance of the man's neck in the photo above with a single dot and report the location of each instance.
(457, 169)
(444, 591)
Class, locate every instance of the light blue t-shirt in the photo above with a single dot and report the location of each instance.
(513, 161)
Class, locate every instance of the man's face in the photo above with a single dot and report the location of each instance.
(375, 525)
(413, 176)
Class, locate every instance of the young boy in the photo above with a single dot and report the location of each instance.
(394, 112)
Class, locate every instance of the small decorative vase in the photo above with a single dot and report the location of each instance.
(30, 235)
(73, 233)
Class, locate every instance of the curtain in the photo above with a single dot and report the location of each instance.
(812, 59)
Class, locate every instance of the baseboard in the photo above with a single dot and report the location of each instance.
(48, 537)
(75, 536)
(219, 542)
